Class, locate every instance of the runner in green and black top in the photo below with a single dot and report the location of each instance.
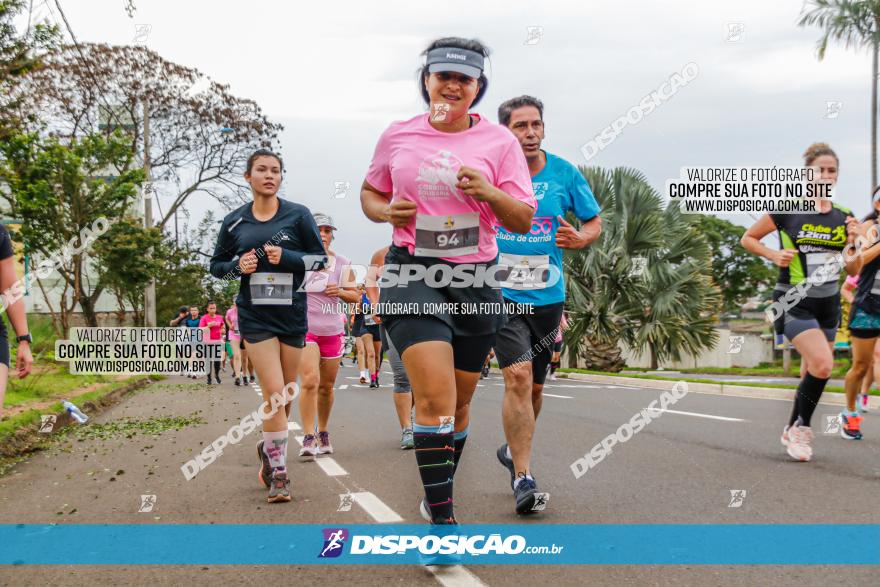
(809, 261)
(864, 320)
(270, 243)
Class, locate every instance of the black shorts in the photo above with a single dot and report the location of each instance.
(779, 323)
(372, 330)
(241, 344)
(529, 338)
(469, 352)
(424, 298)
(4, 348)
(810, 313)
(296, 341)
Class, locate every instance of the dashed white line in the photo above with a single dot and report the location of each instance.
(559, 396)
(343, 386)
(375, 507)
(454, 576)
(331, 467)
(293, 426)
(696, 415)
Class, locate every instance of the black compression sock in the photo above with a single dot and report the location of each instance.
(435, 456)
(809, 392)
(459, 439)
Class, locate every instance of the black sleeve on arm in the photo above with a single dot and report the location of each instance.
(5, 243)
(223, 260)
(312, 257)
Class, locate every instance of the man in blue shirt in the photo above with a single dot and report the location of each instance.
(534, 290)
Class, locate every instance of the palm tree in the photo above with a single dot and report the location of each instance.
(856, 24)
(669, 309)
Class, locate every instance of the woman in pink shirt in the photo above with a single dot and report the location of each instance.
(212, 324)
(444, 180)
(327, 291)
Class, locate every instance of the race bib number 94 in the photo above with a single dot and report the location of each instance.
(447, 236)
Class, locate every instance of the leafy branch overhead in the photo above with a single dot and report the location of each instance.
(200, 133)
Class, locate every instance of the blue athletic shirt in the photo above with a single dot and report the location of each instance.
(559, 188)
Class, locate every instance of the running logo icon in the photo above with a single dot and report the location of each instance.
(148, 502)
(832, 109)
(345, 501)
(47, 423)
(736, 344)
(540, 188)
(832, 424)
(737, 497)
(541, 500)
(340, 189)
(334, 541)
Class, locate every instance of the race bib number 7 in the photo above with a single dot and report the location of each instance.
(271, 289)
(447, 236)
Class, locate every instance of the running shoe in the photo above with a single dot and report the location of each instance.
(363, 380)
(279, 491)
(797, 440)
(406, 439)
(209, 380)
(485, 372)
(374, 384)
(863, 403)
(525, 492)
(265, 474)
(324, 446)
(253, 379)
(501, 453)
(425, 512)
(237, 381)
(218, 380)
(850, 426)
(309, 447)
(552, 377)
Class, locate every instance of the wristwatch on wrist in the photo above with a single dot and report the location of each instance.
(24, 337)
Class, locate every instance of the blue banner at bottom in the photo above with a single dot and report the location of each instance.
(514, 544)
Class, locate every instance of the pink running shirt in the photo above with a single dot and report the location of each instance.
(414, 161)
(215, 325)
(325, 314)
(232, 316)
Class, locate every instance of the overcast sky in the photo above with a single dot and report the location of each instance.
(335, 74)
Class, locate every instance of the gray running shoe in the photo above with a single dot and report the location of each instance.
(406, 439)
(279, 491)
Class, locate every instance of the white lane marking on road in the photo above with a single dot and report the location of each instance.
(293, 426)
(454, 576)
(559, 396)
(725, 418)
(330, 467)
(375, 507)
(343, 386)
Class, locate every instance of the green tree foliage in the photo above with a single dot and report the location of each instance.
(646, 281)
